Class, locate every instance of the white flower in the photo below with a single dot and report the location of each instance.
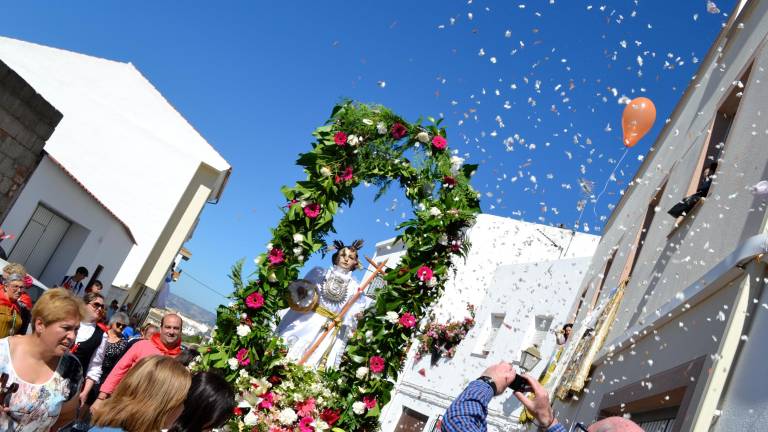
(432, 282)
(272, 278)
(319, 424)
(288, 416)
(298, 238)
(456, 164)
(392, 317)
(369, 335)
(368, 121)
(243, 373)
(421, 207)
(422, 137)
(269, 246)
(381, 128)
(434, 211)
(233, 363)
(251, 418)
(300, 258)
(354, 140)
(443, 240)
(358, 407)
(297, 250)
(243, 330)
(325, 171)
(362, 371)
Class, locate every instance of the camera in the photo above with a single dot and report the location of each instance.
(520, 384)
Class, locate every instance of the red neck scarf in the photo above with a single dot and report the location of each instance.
(170, 352)
(5, 301)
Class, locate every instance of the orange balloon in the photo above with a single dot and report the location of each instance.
(637, 120)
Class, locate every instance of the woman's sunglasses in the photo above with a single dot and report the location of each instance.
(119, 326)
(98, 305)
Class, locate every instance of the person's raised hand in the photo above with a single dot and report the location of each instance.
(502, 374)
(539, 406)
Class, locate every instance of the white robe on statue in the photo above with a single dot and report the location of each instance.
(300, 330)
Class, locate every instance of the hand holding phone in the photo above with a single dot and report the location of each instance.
(520, 384)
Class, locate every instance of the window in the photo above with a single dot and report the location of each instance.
(487, 337)
(411, 421)
(542, 324)
(603, 277)
(634, 253)
(712, 152)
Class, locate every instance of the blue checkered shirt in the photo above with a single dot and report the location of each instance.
(467, 413)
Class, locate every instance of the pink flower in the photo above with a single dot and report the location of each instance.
(407, 320)
(305, 425)
(305, 408)
(276, 256)
(424, 273)
(345, 176)
(242, 357)
(369, 401)
(340, 138)
(312, 210)
(267, 400)
(377, 364)
(291, 203)
(254, 300)
(399, 131)
(439, 142)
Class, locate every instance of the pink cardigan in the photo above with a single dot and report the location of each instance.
(138, 351)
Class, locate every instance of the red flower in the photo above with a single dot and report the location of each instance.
(369, 401)
(345, 176)
(275, 380)
(399, 131)
(340, 138)
(449, 181)
(237, 411)
(305, 425)
(424, 273)
(291, 203)
(439, 143)
(255, 300)
(276, 256)
(455, 246)
(267, 400)
(407, 320)
(312, 210)
(242, 357)
(377, 364)
(329, 416)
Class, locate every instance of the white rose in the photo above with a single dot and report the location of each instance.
(368, 121)
(354, 140)
(243, 330)
(456, 163)
(288, 416)
(319, 424)
(432, 282)
(362, 371)
(392, 317)
(298, 238)
(298, 250)
(272, 278)
(243, 373)
(358, 407)
(233, 363)
(381, 128)
(434, 211)
(269, 246)
(422, 137)
(325, 171)
(251, 418)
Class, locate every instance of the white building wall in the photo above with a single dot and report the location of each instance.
(514, 267)
(94, 238)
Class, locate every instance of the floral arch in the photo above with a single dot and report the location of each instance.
(359, 143)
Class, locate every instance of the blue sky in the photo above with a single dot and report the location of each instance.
(530, 90)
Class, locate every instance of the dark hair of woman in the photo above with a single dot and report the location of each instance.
(210, 403)
(91, 296)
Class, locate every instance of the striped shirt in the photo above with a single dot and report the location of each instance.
(468, 412)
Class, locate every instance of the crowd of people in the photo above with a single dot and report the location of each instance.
(69, 362)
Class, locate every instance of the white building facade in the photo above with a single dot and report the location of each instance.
(521, 277)
(677, 307)
(123, 180)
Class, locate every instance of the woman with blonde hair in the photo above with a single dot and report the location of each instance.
(149, 398)
(45, 376)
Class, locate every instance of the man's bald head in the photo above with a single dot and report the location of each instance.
(615, 424)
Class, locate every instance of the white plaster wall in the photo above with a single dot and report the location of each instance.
(520, 291)
(101, 238)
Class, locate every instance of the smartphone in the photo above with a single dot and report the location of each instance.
(520, 384)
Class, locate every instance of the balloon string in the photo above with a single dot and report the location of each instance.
(605, 186)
